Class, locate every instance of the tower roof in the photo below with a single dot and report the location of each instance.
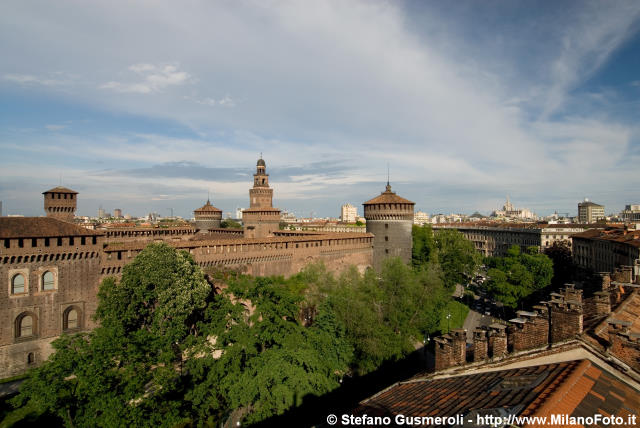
(60, 189)
(388, 197)
(261, 162)
(207, 208)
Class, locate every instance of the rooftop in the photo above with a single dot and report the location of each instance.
(207, 208)
(40, 227)
(574, 388)
(388, 197)
(60, 189)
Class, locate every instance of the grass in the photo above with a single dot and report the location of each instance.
(458, 313)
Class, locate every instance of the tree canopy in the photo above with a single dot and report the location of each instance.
(449, 248)
(170, 351)
(517, 274)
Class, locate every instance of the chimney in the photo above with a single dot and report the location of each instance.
(444, 352)
(480, 344)
(459, 345)
(497, 340)
(602, 303)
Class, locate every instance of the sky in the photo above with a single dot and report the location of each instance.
(151, 106)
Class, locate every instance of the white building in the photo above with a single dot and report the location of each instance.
(420, 218)
(348, 213)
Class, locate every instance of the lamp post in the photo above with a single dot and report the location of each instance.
(448, 321)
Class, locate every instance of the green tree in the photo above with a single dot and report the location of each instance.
(263, 361)
(386, 314)
(517, 275)
(230, 224)
(457, 255)
(125, 372)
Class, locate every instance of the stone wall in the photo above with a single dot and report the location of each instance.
(75, 272)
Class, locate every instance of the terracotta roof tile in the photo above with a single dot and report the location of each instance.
(39, 227)
(60, 189)
(388, 197)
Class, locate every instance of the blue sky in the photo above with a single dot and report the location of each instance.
(148, 105)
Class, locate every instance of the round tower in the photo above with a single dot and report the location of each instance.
(207, 217)
(60, 203)
(390, 218)
(261, 219)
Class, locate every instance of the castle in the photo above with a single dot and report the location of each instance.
(52, 268)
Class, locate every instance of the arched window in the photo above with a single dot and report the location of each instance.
(31, 358)
(17, 284)
(71, 319)
(47, 281)
(25, 325)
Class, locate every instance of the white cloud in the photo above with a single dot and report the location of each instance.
(27, 79)
(155, 79)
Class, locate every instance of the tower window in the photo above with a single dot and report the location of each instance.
(386, 225)
(71, 319)
(31, 358)
(48, 281)
(25, 325)
(17, 284)
(386, 238)
(34, 242)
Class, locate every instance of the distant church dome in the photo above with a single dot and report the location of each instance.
(261, 162)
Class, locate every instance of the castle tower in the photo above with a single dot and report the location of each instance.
(60, 203)
(207, 217)
(390, 218)
(260, 219)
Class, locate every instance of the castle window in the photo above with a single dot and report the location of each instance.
(34, 242)
(31, 358)
(386, 238)
(20, 243)
(386, 250)
(46, 242)
(71, 240)
(83, 241)
(70, 319)
(386, 225)
(25, 325)
(59, 242)
(48, 282)
(7, 243)
(94, 240)
(17, 284)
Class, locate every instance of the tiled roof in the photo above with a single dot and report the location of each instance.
(614, 234)
(60, 189)
(388, 197)
(575, 388)
(208, 208)
(39, 227)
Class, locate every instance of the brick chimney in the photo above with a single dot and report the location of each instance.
(497, 340)
(602, 303)
(459, 345)
(566, 319)
(605, 281)
(528, 331)
(444, 352)
(480, 344)
(626, 346)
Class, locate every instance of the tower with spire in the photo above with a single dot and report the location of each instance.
(390, 218)
(261, 219)
(207, 217)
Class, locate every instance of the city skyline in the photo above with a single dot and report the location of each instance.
(149, 106)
